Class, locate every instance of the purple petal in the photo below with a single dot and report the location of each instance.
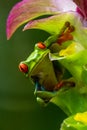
(27, 10)
(82, 4)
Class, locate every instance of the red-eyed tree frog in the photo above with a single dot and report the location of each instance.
(47, 75)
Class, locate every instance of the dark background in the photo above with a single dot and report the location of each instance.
(18, 107)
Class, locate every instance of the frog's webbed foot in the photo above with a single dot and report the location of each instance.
(64, 83)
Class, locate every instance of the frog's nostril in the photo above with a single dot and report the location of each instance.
(23, 68)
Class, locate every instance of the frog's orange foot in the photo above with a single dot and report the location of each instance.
(59, 85)
(64, 38)
(66, 34)
(64, 84)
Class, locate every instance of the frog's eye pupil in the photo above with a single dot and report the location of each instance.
(41, 45)
(23, 68)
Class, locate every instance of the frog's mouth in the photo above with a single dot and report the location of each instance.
(49, 77)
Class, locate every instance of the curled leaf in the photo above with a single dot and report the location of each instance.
(54, 24)
(26, 10)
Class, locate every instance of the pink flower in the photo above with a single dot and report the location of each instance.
(27, 10)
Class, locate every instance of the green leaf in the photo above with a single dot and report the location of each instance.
(70, 100)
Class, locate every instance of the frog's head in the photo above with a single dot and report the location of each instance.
(39, 69)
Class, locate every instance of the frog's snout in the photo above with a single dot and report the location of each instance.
(23, 68)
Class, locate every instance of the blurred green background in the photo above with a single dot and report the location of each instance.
(18, 107)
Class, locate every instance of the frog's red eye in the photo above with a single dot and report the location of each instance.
(23, 68)
(41, 45)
